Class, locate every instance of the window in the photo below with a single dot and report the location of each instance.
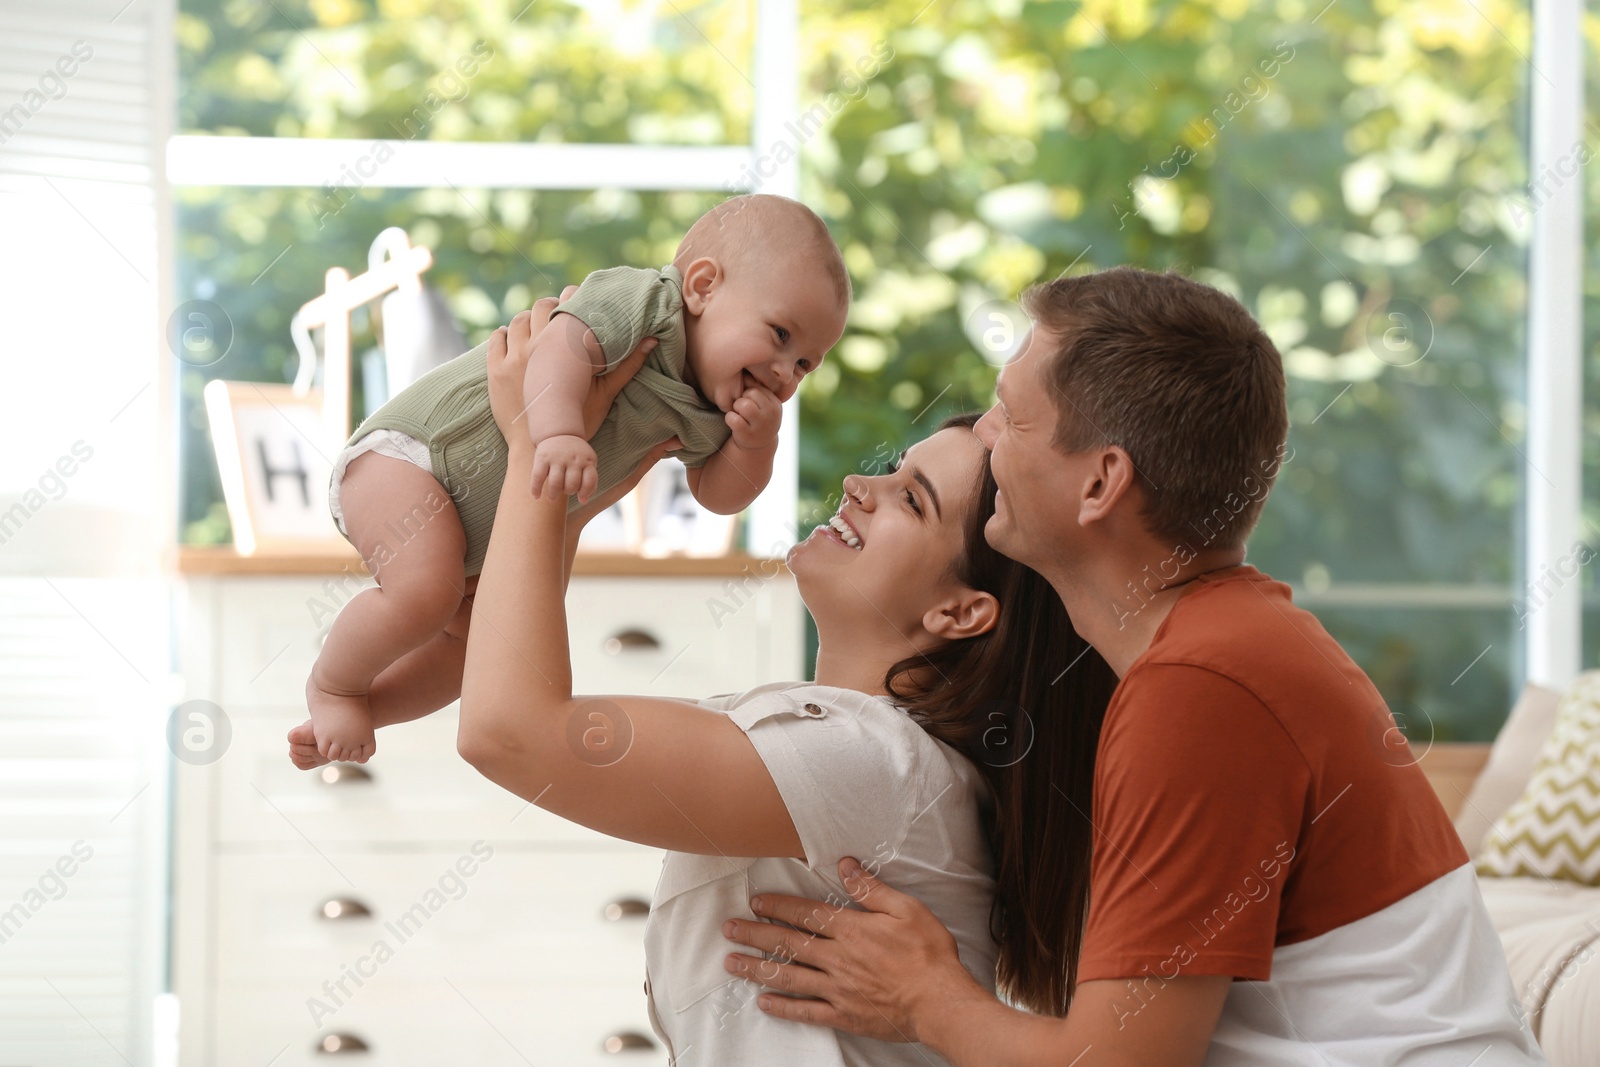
(1343, 169)
(1356, 173)
(491, 132)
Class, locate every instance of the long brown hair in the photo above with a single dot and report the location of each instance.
(1024, 702)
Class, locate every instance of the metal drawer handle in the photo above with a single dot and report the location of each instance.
(631, 641)
(345, 774)
(341, 1044)
(343, 909)
(627, 1041)
(626, 908)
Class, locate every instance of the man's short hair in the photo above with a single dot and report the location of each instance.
(1182, 378)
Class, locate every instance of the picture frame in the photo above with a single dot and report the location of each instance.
(615, 530)
(274, 466)
(672, 523)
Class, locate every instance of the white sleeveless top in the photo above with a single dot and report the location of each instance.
(862, 779)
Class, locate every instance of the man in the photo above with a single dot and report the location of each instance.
(1269, 884)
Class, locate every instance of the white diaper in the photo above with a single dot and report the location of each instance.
(390, 443)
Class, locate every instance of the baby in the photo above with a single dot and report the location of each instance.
(754, 298)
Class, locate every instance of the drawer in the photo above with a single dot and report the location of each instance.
(491, 914)
(664, 636)
(452, 1021)
(268, 634)
(416, 789)
(667, 636)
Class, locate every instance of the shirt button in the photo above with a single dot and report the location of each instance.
(812, 709)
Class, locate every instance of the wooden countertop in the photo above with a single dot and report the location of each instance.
(204, 560)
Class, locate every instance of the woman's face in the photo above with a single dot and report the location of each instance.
(908, 530)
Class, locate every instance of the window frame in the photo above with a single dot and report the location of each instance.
(1551, 606)
(1553, 476)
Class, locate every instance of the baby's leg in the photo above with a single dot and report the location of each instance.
(428, 677)
(418, 683)
(405, 526)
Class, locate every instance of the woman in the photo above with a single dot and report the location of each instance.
(912, 749)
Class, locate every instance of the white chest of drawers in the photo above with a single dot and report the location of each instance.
(409, 913)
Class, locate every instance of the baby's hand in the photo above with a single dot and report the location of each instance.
(564, 465)
(755, 418)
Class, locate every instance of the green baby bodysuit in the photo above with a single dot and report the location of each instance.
(448, 408)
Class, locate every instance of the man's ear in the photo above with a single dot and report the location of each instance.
(1111, 478)
(967, 613)
(700, 278)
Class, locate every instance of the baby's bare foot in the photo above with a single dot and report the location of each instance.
(303, 751)
(342, 724)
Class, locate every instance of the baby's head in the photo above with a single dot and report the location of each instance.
(764, 296)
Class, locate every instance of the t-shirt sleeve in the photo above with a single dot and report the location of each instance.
(623, 306)
(849, 773)
(1199, 801)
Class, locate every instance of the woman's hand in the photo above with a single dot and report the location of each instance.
(506, 374)
(510, 348)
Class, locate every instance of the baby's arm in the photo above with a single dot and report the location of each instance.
(733, 477)
(567, 355)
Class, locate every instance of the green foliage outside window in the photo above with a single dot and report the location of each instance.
(1355, 173)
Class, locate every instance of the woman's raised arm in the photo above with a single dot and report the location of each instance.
(660, 772)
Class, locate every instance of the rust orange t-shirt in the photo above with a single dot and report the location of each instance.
(1249, 793)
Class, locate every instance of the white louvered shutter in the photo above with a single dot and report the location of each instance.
(86, 499)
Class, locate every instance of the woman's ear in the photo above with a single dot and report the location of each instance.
(700, 278)
(967, 614)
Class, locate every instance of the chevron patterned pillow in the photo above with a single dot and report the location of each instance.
(1553, 830)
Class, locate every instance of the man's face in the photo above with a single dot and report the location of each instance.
(1036, 514)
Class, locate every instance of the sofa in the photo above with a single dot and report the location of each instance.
(1550, 928)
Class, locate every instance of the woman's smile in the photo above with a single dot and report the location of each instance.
(830, 534)
(845, 530)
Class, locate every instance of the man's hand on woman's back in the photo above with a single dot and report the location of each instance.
(891, 972)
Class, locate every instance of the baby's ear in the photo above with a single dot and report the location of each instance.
(700, 279)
